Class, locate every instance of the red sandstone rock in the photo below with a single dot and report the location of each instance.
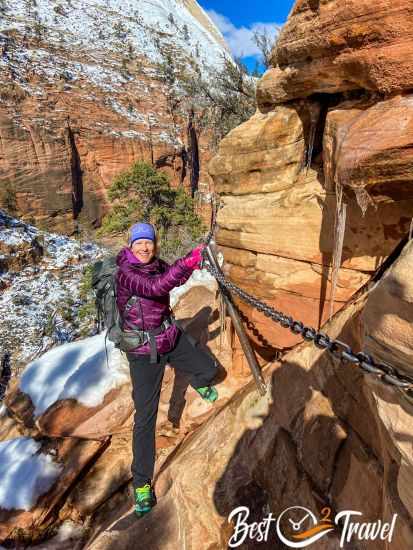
(330, 46)
(276, 224)
(74, 455)
(369, 146)
(68, 417)
(79, 107)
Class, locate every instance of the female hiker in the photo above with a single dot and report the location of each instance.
(152, 339)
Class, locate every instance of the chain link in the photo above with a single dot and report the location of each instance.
(214, 213)
(340, 350)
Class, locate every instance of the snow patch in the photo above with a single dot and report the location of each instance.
(25, 473)
(75, 370)
(33, 295)
(109, 27)
(199, 277)
(69, 530)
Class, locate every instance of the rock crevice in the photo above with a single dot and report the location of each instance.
(77, 175)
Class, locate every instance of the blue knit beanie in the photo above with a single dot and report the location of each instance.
(142, 231)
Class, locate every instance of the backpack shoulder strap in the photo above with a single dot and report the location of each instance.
(129, 304)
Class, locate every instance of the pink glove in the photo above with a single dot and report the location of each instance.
(194, 258)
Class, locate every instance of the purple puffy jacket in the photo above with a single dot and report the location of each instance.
(152, 283)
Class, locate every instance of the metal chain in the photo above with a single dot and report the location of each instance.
(214, 213)
(340, 350)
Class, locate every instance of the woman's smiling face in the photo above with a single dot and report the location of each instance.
(143, 250)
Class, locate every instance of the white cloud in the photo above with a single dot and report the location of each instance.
(241, 39)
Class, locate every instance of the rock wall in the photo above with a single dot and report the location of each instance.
(78, 106)
(329, 46)
(61, 166)
(333, 117)
(330, 146)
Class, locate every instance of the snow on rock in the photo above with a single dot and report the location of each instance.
(101, 71)
(77, 370)
(68, 530)
(198, 278)
(13, 238)
(99, 23)
(25, 473)
(33, 295)
(93, 31)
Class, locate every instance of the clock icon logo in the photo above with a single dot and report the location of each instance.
(298, 527)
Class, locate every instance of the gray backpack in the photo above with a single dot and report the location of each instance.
(104, 285)
(108, 316)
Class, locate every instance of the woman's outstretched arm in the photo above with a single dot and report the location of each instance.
(142, 284)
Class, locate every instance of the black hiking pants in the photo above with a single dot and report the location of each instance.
(200, 370)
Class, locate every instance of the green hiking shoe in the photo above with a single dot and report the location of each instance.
(145, 499)
(209, 393)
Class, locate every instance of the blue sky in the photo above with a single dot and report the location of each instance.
(237, 23)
